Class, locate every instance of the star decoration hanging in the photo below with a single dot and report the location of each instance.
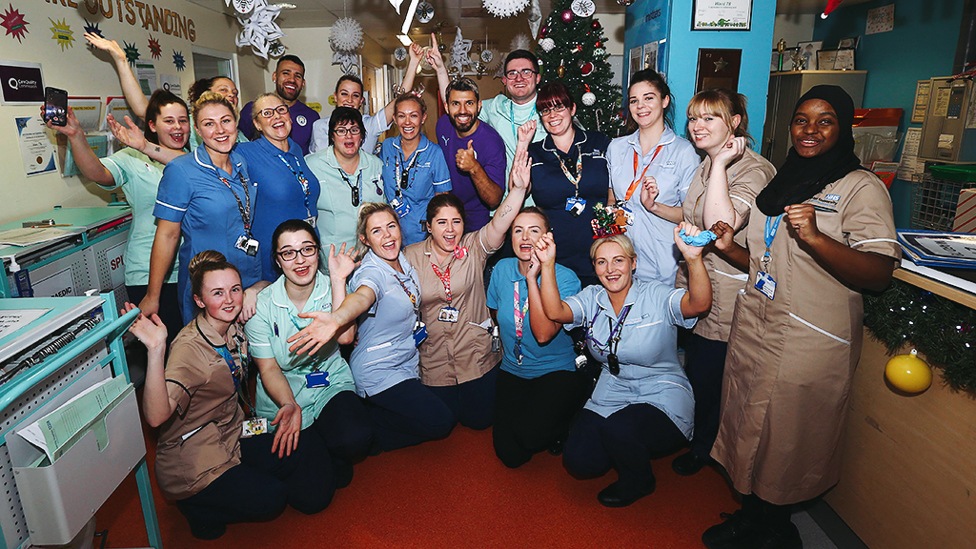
(131, 52)
(460, 52)
(14, 22)
(62, 33)
(178, 60)
(259, 29)
(92, 28)
(154, 48)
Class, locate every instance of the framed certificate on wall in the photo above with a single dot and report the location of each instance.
(721, 15)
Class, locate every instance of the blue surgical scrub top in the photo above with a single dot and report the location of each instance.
(647, 351)
(385, 354)
(537, 360)
(428, 175)
(673, 168)
(192, 194)
(282, 195)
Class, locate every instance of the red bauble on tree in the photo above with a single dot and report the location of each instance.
(567, 16)
(595, 24)
(586, 68)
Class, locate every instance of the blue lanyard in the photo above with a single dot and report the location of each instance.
(302, 180)
(772, 226)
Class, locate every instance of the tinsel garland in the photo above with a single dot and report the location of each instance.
(942, 330)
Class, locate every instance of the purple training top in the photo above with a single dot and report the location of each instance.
(302, 118)
(491, 154)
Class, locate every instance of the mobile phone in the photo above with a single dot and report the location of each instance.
(56, 106)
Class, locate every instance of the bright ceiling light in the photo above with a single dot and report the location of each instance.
(405, 40)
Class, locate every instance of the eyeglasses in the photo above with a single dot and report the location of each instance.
(558, 109)
(341, 132)
(524, 73)
(306, 251)
(268, 113)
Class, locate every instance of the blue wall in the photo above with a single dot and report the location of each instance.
(922, 45)
(679, 59)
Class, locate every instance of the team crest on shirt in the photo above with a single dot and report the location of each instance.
(301, 120)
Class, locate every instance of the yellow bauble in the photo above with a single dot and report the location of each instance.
(332, 100)
(909, 373)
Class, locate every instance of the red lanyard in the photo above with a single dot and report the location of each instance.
(636, 182)
(445, 280)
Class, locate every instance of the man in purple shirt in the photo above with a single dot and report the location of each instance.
(289, 80)
(475, 154)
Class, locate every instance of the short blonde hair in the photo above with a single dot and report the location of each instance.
(366, 211)
(255, 112)
(620, 239)
(211, 98)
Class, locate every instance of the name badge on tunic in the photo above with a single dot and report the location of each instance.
(317, 379)
(448, 314)
(575, 206)
(247, 245)
(400, 207)
(419, 333)
(254, 426)
(765, 284)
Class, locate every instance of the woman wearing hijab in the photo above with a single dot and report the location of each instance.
(822, 232)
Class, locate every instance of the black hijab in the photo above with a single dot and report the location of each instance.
(801, 178)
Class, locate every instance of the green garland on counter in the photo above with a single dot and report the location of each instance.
(942, 330)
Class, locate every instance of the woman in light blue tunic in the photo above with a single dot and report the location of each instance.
(642, 406)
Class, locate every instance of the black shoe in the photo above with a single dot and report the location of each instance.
(611, 497)
(688, 464)
(556, 448)
(737, 528)
(207, 531)
(784, 537)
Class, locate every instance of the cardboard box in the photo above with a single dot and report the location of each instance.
(965, 212)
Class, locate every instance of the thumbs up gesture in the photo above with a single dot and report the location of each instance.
(467, 159)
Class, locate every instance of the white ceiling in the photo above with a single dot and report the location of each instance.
(381, 22)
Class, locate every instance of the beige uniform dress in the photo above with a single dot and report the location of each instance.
(202, 438)
(746, 178)
(791, 359)
(455, 352)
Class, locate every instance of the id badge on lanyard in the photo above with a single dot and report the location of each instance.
(765, 283)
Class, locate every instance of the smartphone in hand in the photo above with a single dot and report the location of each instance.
(56, 106)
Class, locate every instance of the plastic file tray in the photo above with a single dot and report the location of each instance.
(59, 499)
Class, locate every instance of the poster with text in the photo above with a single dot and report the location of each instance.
(35, 146)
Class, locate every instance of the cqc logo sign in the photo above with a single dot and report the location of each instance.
(21, 82)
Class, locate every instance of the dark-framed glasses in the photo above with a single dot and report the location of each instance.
(341, 132)
(524, 73)
(268, 113)
(556, 109)
(306, 251)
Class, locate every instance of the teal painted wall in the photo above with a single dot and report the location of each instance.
(649, 20)
(922, 45)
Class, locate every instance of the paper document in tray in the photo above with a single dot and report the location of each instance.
(957, 247)
(28, 236)
(55, 432)
(13, 320)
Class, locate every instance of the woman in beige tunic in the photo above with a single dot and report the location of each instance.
(821, 231)
(723, 189)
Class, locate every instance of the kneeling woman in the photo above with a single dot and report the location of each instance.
(216, 476)
(385, 362)
(642, 406)
(319, 387)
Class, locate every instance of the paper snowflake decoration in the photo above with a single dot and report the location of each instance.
(347, 35)
(521, 42)
(505, 8)
(259, 29)
(62, 33)
(154, 47)
(276, 49)
(348, 60)
(460, 52)
(242, 6)
(178, 60)
(131, 52)
(14, 22)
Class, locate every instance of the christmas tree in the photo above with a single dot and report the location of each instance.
(572, 50)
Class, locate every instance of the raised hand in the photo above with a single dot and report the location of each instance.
(649, 191)
(802, 220)
(433, 53)
(130, 136)
(732, 151)
(724, 233)
(111, 46)
(521, 174)
(311, 338)
(545, 250)
(525, 133)
(343, 263)
(289, 422)
(71, 129)
(416, 52)
(687, 250)
(150, 331)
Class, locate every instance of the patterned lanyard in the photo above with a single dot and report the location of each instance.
(520, 311)
(244, 208)
(445, 280)
(511, 113)
(579, 169)
(615, 332)
(403, 178)
(302, 180)
(413, 298)
(637, 180)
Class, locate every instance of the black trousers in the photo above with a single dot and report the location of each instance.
(627, 440)
(406, 414)
(471, 402)
(344, 426)
(531, 414)
(705, 366)
(169, 306)
(262, 484)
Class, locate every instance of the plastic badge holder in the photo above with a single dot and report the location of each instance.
(60, 498)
